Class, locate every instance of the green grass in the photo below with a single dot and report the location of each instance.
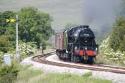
(68, 78)
(26, 74)
(36, 76)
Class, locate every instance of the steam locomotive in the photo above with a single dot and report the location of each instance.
(76, 44)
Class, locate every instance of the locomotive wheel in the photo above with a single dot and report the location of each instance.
(75, 59)
(62, 55)
(90, 60)
(57, 53)
(67, 56)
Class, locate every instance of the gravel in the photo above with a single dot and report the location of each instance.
(116, 78)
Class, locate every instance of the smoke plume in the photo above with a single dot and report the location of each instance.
(100, 14)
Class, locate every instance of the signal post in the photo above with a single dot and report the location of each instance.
(12, 20)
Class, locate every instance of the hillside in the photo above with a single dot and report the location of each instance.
(61, 11)
(99, 14)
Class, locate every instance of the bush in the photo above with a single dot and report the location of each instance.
(117, 38)
(27, 49)
(4, 43)
(8, 74)
(109, 56)
(112, 49)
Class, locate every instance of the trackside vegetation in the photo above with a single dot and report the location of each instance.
(112, 49)
(34, 31)
(26, 74)
(36, 76)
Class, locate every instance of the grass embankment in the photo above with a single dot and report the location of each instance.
(36, 76)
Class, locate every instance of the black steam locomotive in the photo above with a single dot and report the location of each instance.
(77, 44)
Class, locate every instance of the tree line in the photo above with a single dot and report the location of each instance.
(34, 26)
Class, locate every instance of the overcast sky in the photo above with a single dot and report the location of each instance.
(96, 13)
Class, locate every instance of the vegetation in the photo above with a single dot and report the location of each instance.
(117, 39)
(112, 49)
(34, 29)
(36, 76)
(7, 32)
(8, 74)
(26, 74)
(109, 56)
(34, 26)
(26, 49)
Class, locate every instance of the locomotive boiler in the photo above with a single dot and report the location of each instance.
(76, 44)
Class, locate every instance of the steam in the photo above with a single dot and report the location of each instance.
(100, 14)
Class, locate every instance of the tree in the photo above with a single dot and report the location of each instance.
(6, 15)
(117, 38)
(7, 31)
(4, 43)
(34, 26)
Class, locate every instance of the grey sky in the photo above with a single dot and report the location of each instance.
(98, 13)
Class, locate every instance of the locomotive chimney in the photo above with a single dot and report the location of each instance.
(86, 26)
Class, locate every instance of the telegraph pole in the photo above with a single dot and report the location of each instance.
(17, 45)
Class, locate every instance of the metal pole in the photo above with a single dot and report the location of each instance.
(17, 48)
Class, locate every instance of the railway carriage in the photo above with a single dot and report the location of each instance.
(76, 44)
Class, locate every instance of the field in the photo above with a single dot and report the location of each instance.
(36, 76)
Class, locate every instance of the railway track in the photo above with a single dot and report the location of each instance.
(95, 67)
